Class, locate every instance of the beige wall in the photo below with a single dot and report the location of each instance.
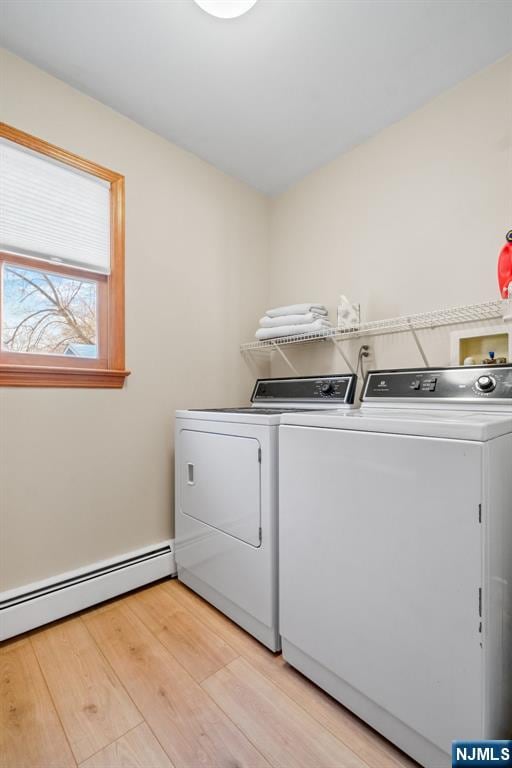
(409, 221)
(87, 474)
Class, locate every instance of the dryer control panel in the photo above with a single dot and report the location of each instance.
(465, 384)
(306, 389)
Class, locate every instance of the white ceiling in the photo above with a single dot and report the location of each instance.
(271, 95)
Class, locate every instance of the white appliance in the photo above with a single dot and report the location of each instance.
(227, 496)
(396, 555)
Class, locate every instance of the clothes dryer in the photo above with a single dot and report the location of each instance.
(227, 497)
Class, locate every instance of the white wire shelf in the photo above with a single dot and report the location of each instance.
(468, 313)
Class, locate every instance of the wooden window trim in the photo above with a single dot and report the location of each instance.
(44, 370)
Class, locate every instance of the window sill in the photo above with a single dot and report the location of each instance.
(45, 376)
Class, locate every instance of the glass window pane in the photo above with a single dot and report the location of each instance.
(46, 313)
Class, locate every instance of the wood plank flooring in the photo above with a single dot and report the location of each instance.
(93, 706)
(161, 679)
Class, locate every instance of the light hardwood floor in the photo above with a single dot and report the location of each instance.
(160, 679)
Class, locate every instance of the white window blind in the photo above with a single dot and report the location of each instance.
(51, 211)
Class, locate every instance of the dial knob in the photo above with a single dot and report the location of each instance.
(486, 383)
(326, 388)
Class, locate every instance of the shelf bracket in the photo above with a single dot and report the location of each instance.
(340, 351)
(250, 362)
(285, 358)
(418, 342)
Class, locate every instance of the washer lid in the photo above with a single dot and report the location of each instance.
(460, 425)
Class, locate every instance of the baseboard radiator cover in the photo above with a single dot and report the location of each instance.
(42, 602)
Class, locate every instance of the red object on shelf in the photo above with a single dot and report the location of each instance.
(505, 268)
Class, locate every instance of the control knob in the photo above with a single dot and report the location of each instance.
(327, 388)
(486, 383)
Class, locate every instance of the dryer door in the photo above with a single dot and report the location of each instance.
(220, 483)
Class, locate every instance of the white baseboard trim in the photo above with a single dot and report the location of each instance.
(35, 604)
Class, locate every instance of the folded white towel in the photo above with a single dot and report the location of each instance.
(292, 330)
(296, 309)
(273, 322)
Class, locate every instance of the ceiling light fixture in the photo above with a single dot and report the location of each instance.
(226, 9)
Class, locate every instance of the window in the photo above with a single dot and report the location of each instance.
(61, 267)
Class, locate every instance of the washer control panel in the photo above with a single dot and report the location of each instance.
(470, 383)
(306, 389)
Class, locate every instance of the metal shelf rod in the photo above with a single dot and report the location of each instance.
(418, 344)
(409, 323)
(340, 351)
(286, 359)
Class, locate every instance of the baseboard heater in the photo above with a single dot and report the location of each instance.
(37, 604)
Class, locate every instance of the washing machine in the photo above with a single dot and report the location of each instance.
(396, 555)
(226, 508)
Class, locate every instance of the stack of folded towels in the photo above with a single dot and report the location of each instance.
(293, 320)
